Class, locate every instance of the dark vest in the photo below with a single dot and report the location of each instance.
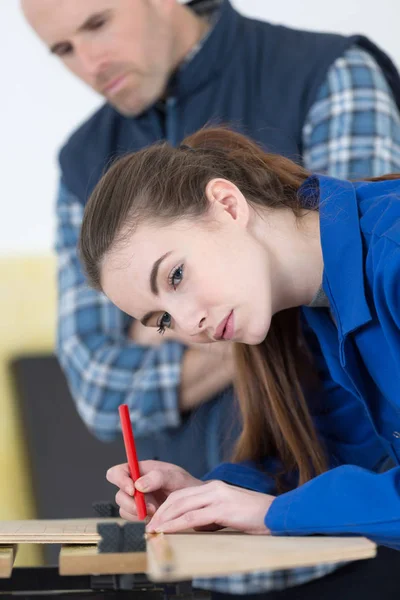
(259, 78)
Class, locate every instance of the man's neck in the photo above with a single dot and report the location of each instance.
(190, 29)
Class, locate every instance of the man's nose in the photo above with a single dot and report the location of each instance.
(92, 60)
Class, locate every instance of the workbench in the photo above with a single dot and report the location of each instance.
(111, 554)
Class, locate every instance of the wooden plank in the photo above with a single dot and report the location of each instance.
(190, 554)
(85, 560)
(56, 531)
(160, 548)
(7, 558)
(216, 554)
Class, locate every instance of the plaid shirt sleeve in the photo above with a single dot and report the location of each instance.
(352, 131)
(353, 128)
(103, 367)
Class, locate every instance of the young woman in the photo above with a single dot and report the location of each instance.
(217, 240)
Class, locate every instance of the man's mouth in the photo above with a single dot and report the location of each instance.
(114, 85)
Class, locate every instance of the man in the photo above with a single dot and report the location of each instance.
(165, 70)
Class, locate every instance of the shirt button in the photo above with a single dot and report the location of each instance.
(396, 434)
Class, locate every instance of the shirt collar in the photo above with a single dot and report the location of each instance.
(342, 248)
(209, 10)
(205, 62)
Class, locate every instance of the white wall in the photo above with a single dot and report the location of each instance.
(41, 102)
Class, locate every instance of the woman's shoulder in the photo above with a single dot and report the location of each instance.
(379, 210)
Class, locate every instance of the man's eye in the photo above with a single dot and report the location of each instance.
(63, 50)
(96, 24)
(164, 323)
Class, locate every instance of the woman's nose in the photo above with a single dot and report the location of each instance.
(194, 323)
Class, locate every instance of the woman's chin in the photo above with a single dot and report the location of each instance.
(253, 338)
(256, 336)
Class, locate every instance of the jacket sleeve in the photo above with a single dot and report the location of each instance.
(103, 367)
(352, 497)
(344, 500)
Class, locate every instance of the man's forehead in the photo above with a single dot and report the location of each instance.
(54, 18)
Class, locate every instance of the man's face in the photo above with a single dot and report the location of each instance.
(123, 49)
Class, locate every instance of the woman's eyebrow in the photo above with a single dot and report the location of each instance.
(153, 284)
(154, 273)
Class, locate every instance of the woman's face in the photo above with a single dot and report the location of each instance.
(206, 280)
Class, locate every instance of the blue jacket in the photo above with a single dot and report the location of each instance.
(359, 365)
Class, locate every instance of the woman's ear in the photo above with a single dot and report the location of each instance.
(228, 201)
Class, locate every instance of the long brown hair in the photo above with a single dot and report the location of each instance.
(162, 184)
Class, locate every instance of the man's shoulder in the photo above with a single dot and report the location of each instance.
(94, 128)
(84, 155)
(278, 33)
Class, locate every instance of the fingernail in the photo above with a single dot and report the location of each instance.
(130, 490)
(142, 484)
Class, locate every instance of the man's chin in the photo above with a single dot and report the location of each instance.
(131, 108)
(128, 111)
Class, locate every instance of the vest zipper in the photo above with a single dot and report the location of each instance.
(171, 121)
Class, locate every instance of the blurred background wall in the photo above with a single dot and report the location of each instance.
(40, 104)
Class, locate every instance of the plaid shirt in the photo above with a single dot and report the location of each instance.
(351, 131)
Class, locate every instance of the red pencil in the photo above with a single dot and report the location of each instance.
(129, 442)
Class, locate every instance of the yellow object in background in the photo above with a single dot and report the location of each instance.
(27, 325)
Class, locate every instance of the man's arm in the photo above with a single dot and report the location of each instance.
(105, 368)
(206, 368)
(352, 130)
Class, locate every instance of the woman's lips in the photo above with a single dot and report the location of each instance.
(225, 329)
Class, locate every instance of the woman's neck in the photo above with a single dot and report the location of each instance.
(294, 255)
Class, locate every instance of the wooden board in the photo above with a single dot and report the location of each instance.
(7, 557)
(189, 554)
(85, 560)
(60, 531)
(218, 554)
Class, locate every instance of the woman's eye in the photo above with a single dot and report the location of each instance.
(176, 277)
(164, 323)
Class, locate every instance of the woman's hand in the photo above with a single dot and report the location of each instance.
(212, 506)
(158, 481)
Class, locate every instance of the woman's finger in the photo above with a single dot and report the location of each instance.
(180, 499)
(191, 520)
(179, 504)
(128, 504)
(165, 476)
(119, 476)
(127, 516)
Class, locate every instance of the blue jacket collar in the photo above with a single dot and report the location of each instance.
(342, 249)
